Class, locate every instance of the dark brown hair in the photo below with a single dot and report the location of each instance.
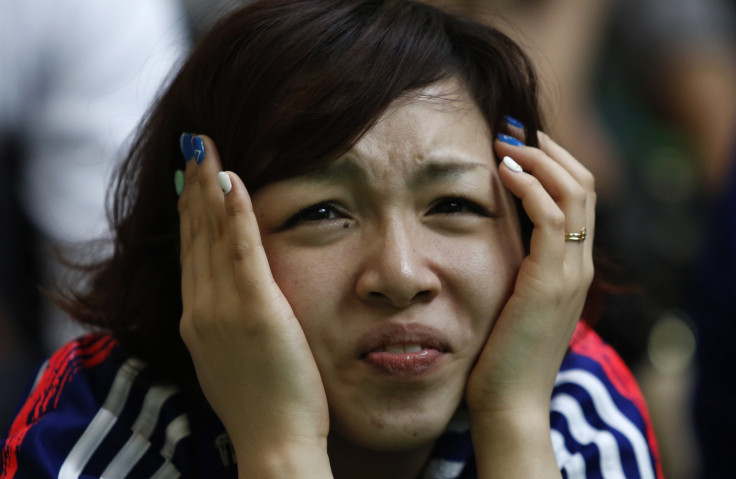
(283, 87)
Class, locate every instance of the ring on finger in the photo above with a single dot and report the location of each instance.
(577, 237)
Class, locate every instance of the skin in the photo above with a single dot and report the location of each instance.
(289, 296)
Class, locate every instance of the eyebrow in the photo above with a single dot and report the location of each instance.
(337, 170)
(431, 171)
(438, 171)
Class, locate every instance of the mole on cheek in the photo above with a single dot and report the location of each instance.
(346, 224)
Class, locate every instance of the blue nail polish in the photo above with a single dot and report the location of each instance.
(513, 122)
(185, 143)
(510, 140)
(198, 145)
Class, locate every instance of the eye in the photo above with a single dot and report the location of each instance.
(455, 205)
(315, 213)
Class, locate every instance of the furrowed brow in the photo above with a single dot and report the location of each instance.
(438, 171)
(430, 171)
(338, 170)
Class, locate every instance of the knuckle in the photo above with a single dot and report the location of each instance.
(186, 329)
(587, 180)
(206, 180)
(579, 195)
(538, 155)
(182, 204)
(198, 223)
(529, 182)
(185, 247)
(234, 209)
(592, 199)
(543, 138)
(240, 250)
(588, 273)
(555, 218)
(190, 176)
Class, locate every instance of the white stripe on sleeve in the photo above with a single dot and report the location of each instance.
(103, 421)
(177, 430)
(573, 464)
(611, 415)
(126, 459)
(166, 471)
(585, 434)
(443, 469)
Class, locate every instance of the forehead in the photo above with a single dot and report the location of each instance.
(426, 129)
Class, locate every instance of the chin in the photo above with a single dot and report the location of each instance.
(393, 431)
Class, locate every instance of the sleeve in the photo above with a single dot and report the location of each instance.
(91, 415)
(599, 419)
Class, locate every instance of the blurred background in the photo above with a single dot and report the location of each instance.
(641, 91)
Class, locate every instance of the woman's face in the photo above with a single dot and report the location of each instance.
(397, 259)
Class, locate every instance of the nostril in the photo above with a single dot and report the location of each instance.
(399, 276)
(402, 300)
(423, 295)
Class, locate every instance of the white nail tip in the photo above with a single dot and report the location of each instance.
(512, 165)
(225, 183)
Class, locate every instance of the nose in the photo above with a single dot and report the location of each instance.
(397, 267)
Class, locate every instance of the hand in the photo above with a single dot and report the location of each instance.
(509, 389)
(252, 359)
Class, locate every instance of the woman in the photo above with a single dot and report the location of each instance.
(357, 292)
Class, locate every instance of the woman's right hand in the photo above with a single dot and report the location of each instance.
(249, 351)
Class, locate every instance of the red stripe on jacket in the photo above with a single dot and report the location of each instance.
(85, 352)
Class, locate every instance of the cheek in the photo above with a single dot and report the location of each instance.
(312, 284)
(484, 275)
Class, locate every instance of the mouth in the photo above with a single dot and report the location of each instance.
(406, 351)
(403, 348)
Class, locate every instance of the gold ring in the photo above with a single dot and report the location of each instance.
(577, 237)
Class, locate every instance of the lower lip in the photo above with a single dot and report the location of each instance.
(405, 364)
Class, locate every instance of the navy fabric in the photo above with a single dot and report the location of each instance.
(95, 413)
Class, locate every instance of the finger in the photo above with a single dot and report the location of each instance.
(251, 271)
(564, 190)
(208, 161)
(513, 127)
(581, 174)
(557, 180)
(193, 209)
(547, 248)
(218, 236)
(574, 199)
(568, 161)
(185, 237)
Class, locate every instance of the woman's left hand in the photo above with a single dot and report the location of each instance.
(508, 392)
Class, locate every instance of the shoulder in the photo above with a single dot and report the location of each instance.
(94, 412)
(600, 422)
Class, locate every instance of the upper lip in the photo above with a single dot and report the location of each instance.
(404, 334)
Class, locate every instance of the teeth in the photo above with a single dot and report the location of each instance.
(403, 348)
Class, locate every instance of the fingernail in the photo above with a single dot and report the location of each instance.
(512, 165)
(185, 143)
(179, 182)
(513, 122)
(225, 183)
(198, 145)
(510, 140)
